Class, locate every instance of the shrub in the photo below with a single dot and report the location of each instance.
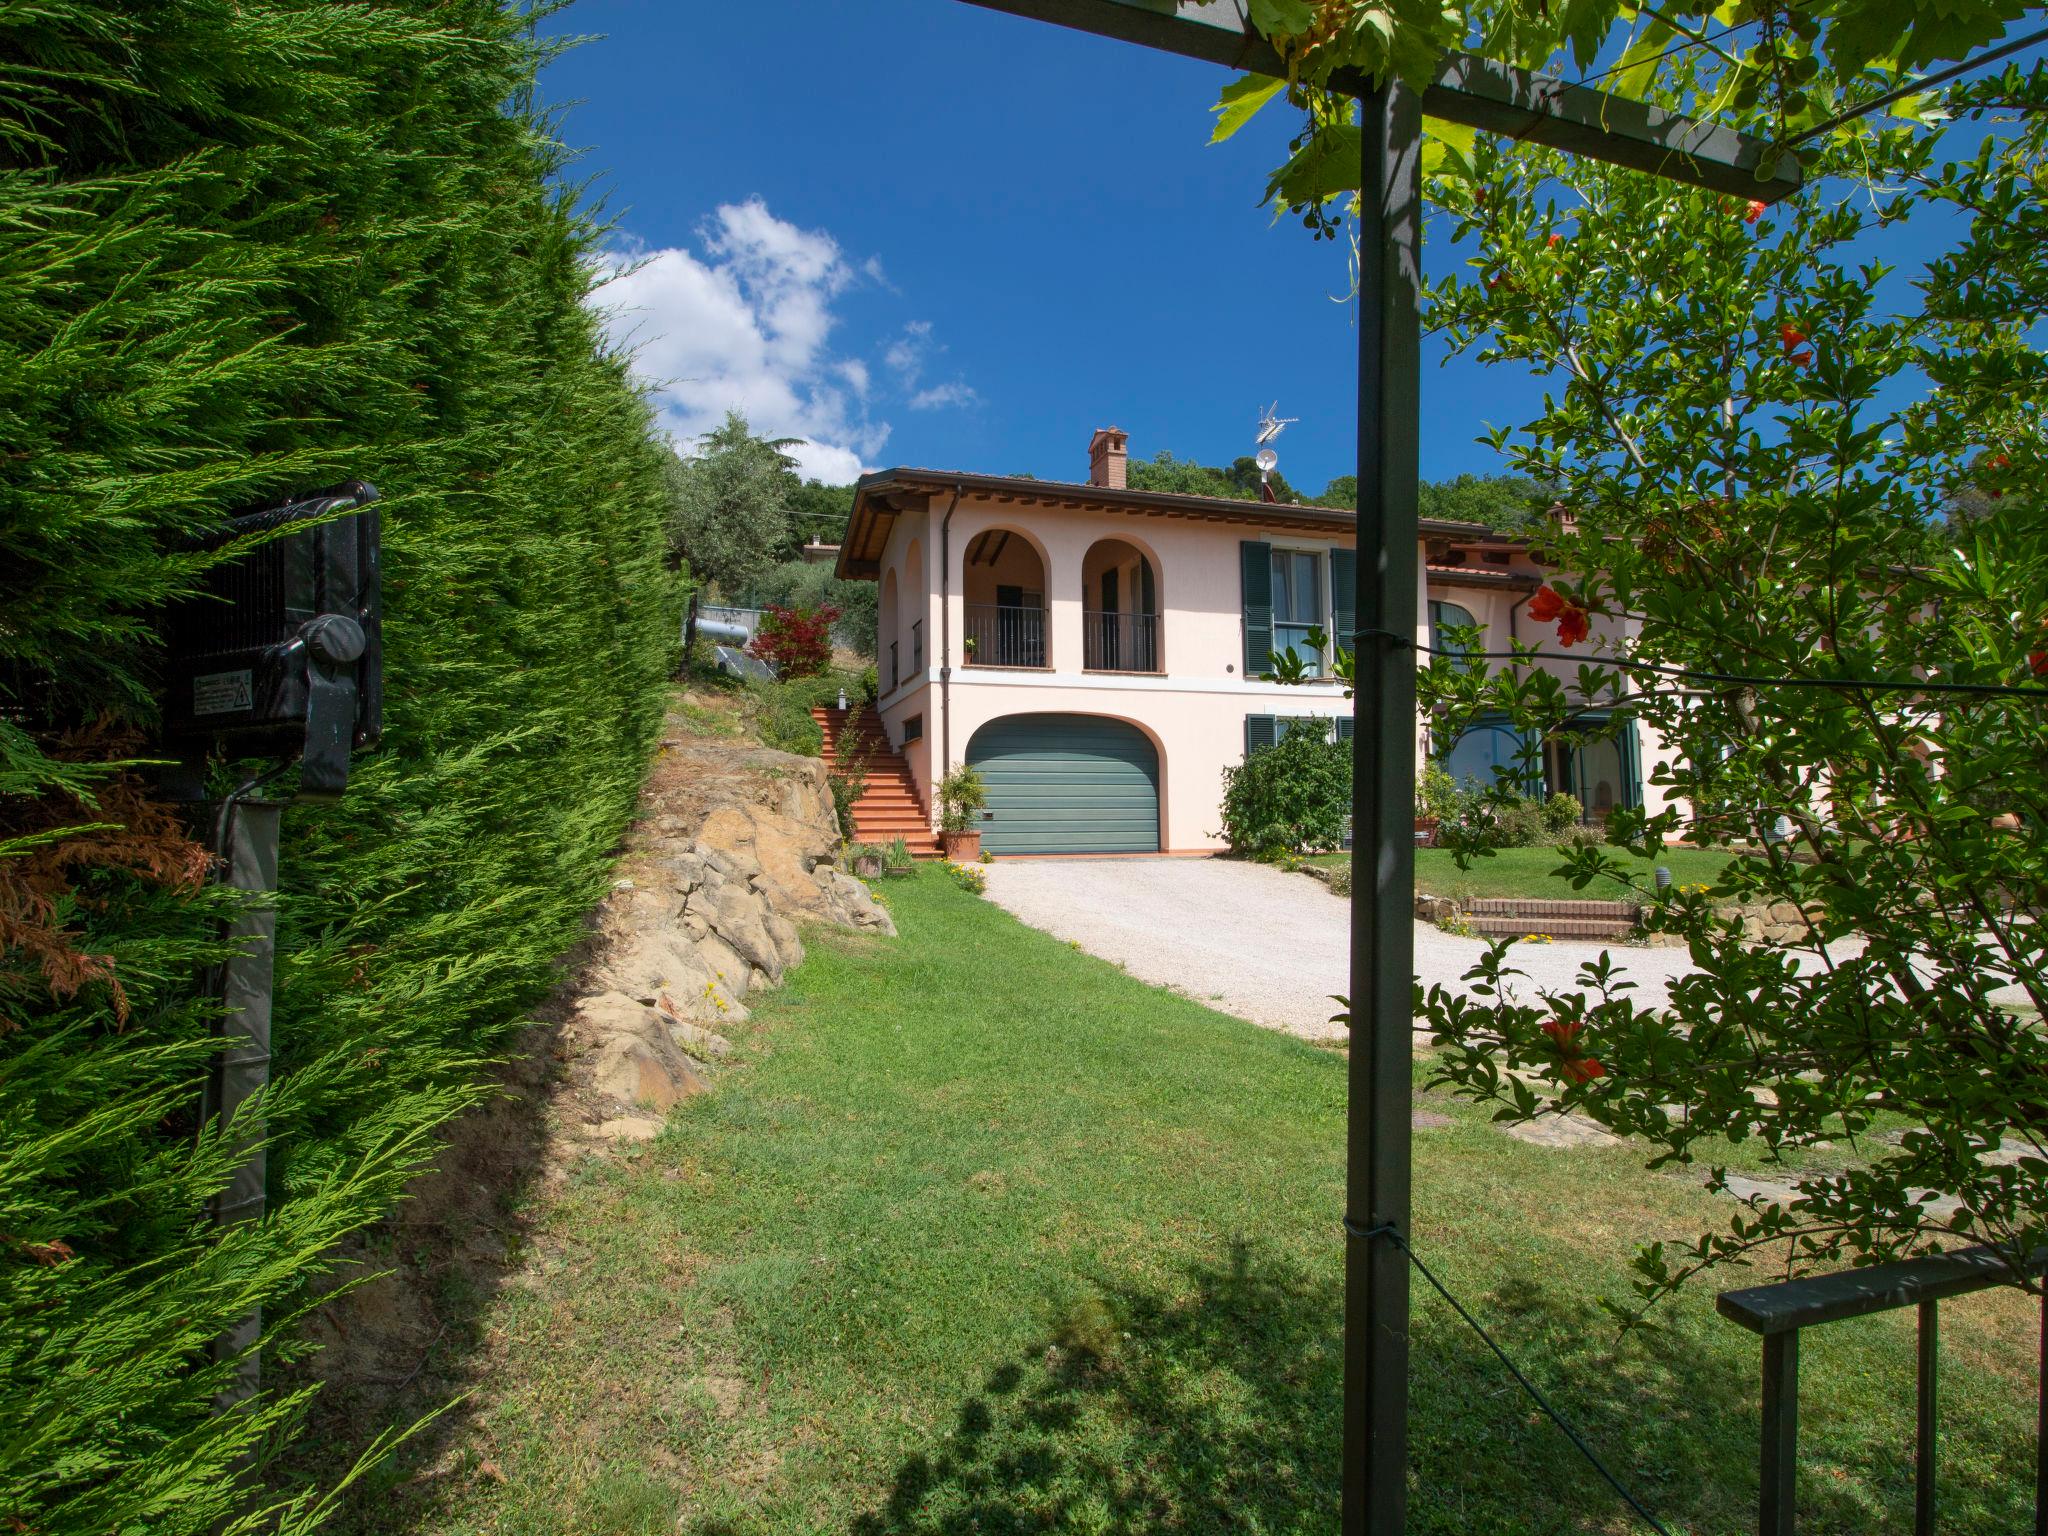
(256, 250)
(848, 780)
(797, 642)
(1293, 796)
(961, 794)
(806, 584)
(1436, 793)
(1519, 823)
(782, 710)
(1561, 813)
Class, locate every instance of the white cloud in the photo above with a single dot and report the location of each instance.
(745, 326)
(906, 355)
(940, 395)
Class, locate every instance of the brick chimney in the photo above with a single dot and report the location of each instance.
(1107, 457)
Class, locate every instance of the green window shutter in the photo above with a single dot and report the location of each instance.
(1344, 727)
(1257, 562)
(1260, 731)
(1343, 596)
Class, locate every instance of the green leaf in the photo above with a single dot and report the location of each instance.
(1637, 66)
(1282, 18)
(1240, 103)
(1327, 167)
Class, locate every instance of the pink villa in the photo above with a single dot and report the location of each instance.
(1095, 650)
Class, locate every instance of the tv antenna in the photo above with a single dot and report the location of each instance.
(1271, 425)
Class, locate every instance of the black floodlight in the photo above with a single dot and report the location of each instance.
(282, 654)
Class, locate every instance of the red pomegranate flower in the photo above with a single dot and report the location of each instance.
(1557, 240)
(1584, 1070)
(1756, 211)
(1572, 619)
(1789, 335)
(2038, 660)
(1802, 358)
(1563, 1032)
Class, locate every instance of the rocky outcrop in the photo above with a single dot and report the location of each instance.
(735, 849)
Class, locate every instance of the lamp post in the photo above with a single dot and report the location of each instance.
(1493, 98)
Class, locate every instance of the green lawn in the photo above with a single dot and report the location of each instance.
(980, 1234)
(1528, 872)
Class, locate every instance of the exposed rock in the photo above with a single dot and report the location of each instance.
(637, 1072)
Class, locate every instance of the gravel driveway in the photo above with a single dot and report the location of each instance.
(1254, 941)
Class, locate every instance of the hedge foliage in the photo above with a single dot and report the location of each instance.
(251, 249)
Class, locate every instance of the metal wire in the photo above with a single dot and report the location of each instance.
(1939, 77)
(1578, 1441)
(1734, 679)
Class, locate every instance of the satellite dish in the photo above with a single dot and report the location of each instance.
(1266, 459)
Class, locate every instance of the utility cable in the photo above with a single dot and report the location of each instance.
(1578, 1441)
(1724, 679)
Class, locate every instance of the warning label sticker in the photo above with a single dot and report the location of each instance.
(222, 693)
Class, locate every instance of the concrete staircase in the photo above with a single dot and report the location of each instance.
(1502, 918)
(889, 807)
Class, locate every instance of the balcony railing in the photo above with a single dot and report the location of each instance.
(917, 648)
(895, 670)
(999, 635)
(1120, 642)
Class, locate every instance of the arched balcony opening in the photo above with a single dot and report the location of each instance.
(911, 635)
(891, 658)
(1003, 587)
(1119, 609)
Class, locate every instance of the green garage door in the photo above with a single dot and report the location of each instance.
(1067, 784)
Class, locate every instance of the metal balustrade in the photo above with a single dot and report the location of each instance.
(999, 635)
(1120, 642)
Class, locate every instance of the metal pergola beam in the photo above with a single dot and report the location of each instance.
(1468, 90)
(1492, 98)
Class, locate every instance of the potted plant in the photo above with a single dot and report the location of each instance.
(962, 795)
(866, 859)
(898, 860)
(968, 646)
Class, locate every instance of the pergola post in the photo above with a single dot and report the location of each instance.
(1383, 819)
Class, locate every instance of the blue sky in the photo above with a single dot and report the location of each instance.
(1009, 233)
(920, 232)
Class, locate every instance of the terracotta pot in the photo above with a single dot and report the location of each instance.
(961, 847)
(867, 869)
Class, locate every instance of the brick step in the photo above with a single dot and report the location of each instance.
(1499, 927)
(1531, 906)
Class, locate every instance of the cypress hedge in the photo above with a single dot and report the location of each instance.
(251, 248)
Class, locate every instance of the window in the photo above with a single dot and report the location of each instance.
(1492, 751)
(1448, 616)
(1298, 604)
(913, 729)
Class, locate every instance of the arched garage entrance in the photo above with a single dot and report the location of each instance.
(1067, 784)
